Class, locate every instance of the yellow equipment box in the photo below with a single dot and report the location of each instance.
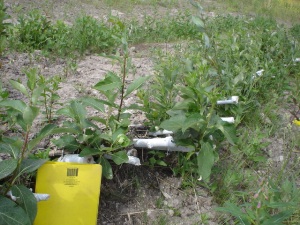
(74, 193)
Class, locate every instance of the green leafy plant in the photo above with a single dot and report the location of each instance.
(3, 27)
(89, 138)
(187, 107)
(270, 204)
(34, 31)
(90, 35)
(18, 204)
(50, 98)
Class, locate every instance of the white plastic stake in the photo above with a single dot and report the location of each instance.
(228, 119)
(166, 144)
(232, 100)
(160, 133)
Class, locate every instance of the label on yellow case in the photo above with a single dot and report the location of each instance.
(74, 193)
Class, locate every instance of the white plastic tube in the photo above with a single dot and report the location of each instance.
(166, 144)
(160, 133)
(232, 100)
(228, 119)
(38, 197)
(41, 197)
(297, 60)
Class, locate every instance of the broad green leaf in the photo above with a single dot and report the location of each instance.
(66, 112)
(98, 119)
(106, 168)
(120, 157)
(11, 213)
(198, 22)
(78, 111)
(193, 121)
(123, 140)
(161, 163)
(206, 40)
(30, 165)
(36, 94)
(20, 87)
(61, 130)
(188, 92)
(229, 131)
(7, 167)
(95, 103)
(106, 137)
(47, 130)
(136, 84)
(205, 160)
(174, 123)
(117, 132)
(26, 200)
(111, 82)
(15, 104)
(183, 105)
(21, 122)
(29, 114)
(279, 218)
(13, 149)
(31, 78)
(68, 142)
(89, 151)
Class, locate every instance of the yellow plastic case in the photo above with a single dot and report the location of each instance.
(74, 193)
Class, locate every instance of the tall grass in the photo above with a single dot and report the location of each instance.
(283, 10)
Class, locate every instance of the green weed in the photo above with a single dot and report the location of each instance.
(3, 28)
(20, 203)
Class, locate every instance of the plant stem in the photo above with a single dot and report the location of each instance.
(15, 173)
(123, 86)
(45, 103)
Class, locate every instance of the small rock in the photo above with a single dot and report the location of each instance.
(171, 212)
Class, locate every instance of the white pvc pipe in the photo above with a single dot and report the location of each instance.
(41, 197)
(166, 144)
(297, 60)
(228, 119)
(38, 197)
(160, 133)
(232, 100)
